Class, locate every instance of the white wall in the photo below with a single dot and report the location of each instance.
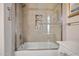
(73, 30)
(1, 29)
(70, 33)
(9, 26)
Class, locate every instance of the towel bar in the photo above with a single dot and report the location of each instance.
(73, 23)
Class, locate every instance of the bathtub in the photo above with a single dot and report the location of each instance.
(38, 49)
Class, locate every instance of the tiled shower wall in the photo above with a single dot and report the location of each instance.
(18, 27)
(31, 34)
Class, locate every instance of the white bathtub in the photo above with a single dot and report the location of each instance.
(38, 49)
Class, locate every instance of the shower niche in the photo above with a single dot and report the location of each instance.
(38, 21)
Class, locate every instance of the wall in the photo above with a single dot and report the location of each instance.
(57, 22)
(30, 34)
(18, 27)
(9, 25)
(1, 29)
(73, 30)
(64, 21)
(71, 33)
